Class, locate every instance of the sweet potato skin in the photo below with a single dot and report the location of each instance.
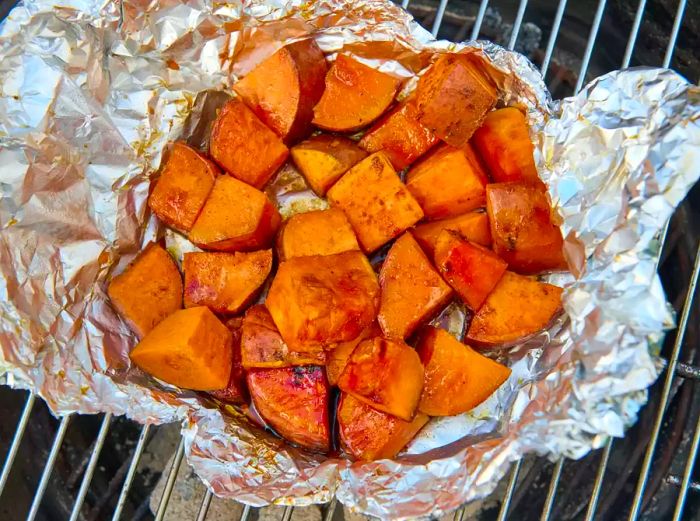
(412, 290)
(340, 354)
(294, 402)
(472, 226)
(368, 434)
(236, 391)
(517, 307)
(376, 202)
(457, 378)
(320, 232)
(148, 290)
(244, 147)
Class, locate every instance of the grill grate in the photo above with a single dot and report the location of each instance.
(676, 369)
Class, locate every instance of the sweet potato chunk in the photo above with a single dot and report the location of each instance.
(190, 349)
(235, 391)
(377, 204)
(283, 89)
(148, 290)
(472, 226)
(368, 434)
(225, 282)
(184, 184)
(294, 402)
(503, 142)
(457, 378)
(399, 134)
(236, 217)
(321, 232)
(262, 345)
(339, 355)
(412, 290)
(516, 308)
(522, 228)
(355, 96)
(243, 146)
(472, 270)
(385, 374)
(453, 97)
(319, 301)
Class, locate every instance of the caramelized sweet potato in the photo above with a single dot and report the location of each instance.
(412, 290)
(399, 134)
(355, 96)
(339, 355)
(472, 226)
(236, 217)
(385, 374)
(321, 232)
(283, 89)
(516, 308)
(294, 402)
(319, 301)
(472, 270)
(447, 183)
(243, 146)
(453, 97)
(191, 349)
(522, 228)
(368, 434)
(377, 204)
(457, 378)
(225, 282)
(235, 391)
(184, 184)
(148, 290)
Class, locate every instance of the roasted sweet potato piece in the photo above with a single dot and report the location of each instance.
(472, 226)
(412, 290)
(191, 349)
(516, 308)
(385, 374)
(339, 355)
(283, 89)
(236, 217)
(236, 391)
(320, 232)
(294, 402)
(453, 97)
(319, 301)
(184, 184)
(457, 378)
(472, 270)
(522, 228)
(355, 96)
(148, 290)
(377, 204)
(368, 434)
(225, 282)
(400, 135)
(243, 146)
(447, 182)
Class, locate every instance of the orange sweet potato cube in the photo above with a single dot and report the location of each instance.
(243, 146)
(412, 290)
(148, 290)
(355, 96)
(376, 202)
(517, 307)
(472, 226)
(457, 378)
(340, 354)
(453, 97)
(283, 89)
(320, 232)
(225, 282)
(236, 391)
(190, 349)
(385, 374)
(522, 228)
(236, 217)
(368, 434)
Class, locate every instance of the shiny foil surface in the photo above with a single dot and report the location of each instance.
(91, 93)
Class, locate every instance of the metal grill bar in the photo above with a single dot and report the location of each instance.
(16, 440)
(287, 515)
(687, 473)
(438, 17)
(170, 481)
(589, 46)
(598, 485)
(330, 510)
(516, 25)
(204, 508)
(505, 504)
(553, 36)
(672, 479)
(479, 19)
(552, 492)
(245, 513)
(674, 33)
(633, 34)
(138, 452)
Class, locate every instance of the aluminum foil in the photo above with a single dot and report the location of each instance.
(90, 94)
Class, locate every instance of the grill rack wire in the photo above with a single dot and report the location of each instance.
(674, 369)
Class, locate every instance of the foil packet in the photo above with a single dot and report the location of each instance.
(91, 92)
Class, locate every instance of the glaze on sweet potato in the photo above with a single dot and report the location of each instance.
(340, 353)
(190, 349)
(472, 226)
(320, 232)
(376, 202)
(148, 290)
(236, 391)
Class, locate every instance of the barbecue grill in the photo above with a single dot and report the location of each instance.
(95, 468)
